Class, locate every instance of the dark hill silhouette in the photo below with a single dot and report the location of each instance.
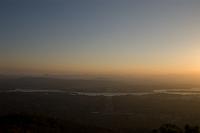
(18, 123)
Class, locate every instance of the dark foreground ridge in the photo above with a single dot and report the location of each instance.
(18, 123)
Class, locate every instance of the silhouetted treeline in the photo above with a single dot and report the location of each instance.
(20, 123)
(170, 128)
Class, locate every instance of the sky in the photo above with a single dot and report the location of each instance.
(112, 37)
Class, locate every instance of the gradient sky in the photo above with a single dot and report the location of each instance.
(100, 36)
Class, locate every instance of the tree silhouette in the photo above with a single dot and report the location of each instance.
(171, 128)
(190, 129)
(168, 128)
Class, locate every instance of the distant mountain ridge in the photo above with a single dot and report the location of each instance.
(94, 85)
